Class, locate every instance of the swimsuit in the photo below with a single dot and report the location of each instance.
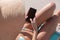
(56, 35)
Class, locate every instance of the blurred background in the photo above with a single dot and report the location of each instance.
(38, 4)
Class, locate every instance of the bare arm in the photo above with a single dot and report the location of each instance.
(34, 26)
(34, 35)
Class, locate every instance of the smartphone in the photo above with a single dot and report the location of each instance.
(31, 14)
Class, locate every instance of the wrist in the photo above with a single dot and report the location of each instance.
(35, 31)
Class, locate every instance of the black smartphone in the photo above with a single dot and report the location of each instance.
(31, 14)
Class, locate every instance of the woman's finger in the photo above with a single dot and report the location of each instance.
(33, 23)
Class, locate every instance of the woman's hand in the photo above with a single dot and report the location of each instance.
(33, 23)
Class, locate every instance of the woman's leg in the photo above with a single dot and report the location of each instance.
(43, 14)
(49, 28)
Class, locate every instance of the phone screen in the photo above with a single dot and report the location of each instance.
(31, 14)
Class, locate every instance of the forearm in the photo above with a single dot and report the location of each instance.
(34, 35)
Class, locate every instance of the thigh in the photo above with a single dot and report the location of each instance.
(49, 28)
(45, 13)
